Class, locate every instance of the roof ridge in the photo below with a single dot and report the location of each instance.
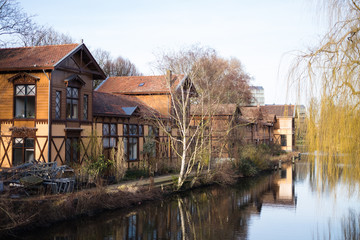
(52, 45)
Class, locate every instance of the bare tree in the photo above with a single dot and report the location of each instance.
(118, 67)
(13, 21)
(216, 80)
(41, 36)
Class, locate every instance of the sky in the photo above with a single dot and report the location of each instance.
(262, 34)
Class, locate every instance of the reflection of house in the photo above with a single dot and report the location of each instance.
(284, 129)
(283, 193)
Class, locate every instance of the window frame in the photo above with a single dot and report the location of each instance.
(85, 107)
(71, 99)
(132, 134)
(58, 104)
(23, 149)
(111, 136)
(283, 140)
(26, 97)
(72, 149)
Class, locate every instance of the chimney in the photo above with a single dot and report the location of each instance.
(169, 76)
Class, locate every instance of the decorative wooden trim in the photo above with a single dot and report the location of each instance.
(41, 121)
(22, 132)
(24, 78)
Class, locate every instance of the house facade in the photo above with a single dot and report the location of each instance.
(229, 124)
(45, 102)
(284, 129)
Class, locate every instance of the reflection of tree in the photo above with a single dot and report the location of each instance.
(210, 213)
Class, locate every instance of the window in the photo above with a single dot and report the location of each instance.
(72, 102)
(58, 105)
(283, 140)
(109, 135)
(23, 150)
(131, 140)
(25, 101)
(85, 109)
(72, 150)
(153, 134)
(153, 131)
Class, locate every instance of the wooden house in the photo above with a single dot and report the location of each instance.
(222, 126)
(159, 94)
(127, 119)
(261, 125)
(46, 97)
(154, 91)
(284, 129)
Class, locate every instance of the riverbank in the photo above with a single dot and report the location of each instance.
(41, 211)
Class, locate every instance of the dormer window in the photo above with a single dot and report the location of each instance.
(72, 103)
(25, 101)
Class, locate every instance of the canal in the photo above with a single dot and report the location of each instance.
(289, 204)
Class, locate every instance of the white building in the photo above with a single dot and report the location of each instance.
(258, 96)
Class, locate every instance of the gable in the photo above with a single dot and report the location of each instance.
(80, 61)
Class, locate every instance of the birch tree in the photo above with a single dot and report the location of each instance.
(216, 80)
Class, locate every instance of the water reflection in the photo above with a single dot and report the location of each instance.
(278, 206)
(283, 190)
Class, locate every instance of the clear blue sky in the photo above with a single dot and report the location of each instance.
(258, 33)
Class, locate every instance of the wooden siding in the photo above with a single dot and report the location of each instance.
(6, 97)
(160, 103)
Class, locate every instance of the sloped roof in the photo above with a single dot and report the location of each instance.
(251, 113)
(218, 109)
(279, 110)
(256, 114)
(39, 57)
(105, 104)
(139, 84)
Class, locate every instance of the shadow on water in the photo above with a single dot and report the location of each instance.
(252, 209)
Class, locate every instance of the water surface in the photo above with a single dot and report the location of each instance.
(285, 205)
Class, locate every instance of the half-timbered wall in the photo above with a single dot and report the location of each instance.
(34, 127)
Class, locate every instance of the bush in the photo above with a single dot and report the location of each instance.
(133, 174)
(98, 167)
(253, 159)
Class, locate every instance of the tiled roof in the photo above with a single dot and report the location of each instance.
(218, 109)
(33, 57)
(279, 110)
(105, 104)
(139, 84)
(257, 114)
